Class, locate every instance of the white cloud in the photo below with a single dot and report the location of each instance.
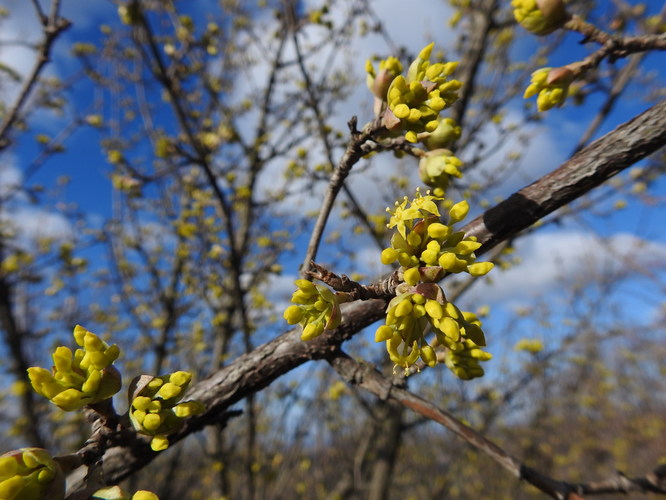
(550, 259)
(32, 224)
(28, 223)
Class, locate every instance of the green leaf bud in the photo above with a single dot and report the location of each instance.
(475, 334)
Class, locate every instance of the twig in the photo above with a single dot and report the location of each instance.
(366, 377)
(53, 27)
(384, 289)
(355, 150)
(612, 46)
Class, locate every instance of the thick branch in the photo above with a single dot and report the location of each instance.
(590, 167)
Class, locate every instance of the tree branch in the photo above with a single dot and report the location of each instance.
(253, 371)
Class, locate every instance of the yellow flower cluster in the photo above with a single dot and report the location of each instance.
(156, 411)
(317, 309)
(465, 363)
(85, 377)
(30, 474)
(426, 249)
(414, 101)
(409, 314)
(540, 17)
(552, 85)
(422, 243)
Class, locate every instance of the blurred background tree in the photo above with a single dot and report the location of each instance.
(163, 165)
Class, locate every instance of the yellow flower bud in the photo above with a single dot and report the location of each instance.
(169, 390)
(151, 421)
(458, 212)
(438, 231)
(383, 333)
(159, 443)
(293, 314)
(428, 356)
(434, 309)
(389, 255)
(480, 268)
(412, 276)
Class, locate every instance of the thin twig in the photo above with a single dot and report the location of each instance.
(355, 150)
(53, 27)
(366, 377)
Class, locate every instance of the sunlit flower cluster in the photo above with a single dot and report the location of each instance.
(30, 474)
(156, 409)
(410, 313)
(426, 249)
(414, 101)
(551, 85)
(540, 17)
(316, 308)
(84, 377)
